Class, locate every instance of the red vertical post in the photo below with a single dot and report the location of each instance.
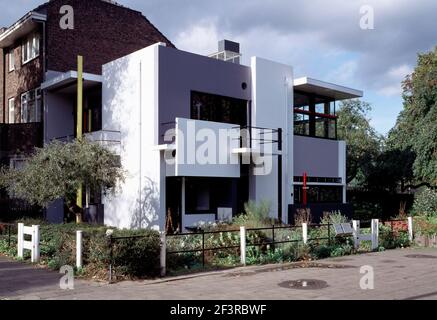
(304, 193)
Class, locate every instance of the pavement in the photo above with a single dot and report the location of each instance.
(398, 274)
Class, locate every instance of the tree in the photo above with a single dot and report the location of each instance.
(57, 171)
(362, 141)
(416, 126)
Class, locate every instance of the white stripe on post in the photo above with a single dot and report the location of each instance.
(35, 243)
(304, 232)
(20, 247)
(356, 227)
(79, 249)
(410, 229)
(243, 245)
(163, 254)
(375, 233)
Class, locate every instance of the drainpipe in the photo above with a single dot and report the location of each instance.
(4, 86)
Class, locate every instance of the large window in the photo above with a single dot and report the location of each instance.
(11, 60)
(30, 47)
(319, 194)
(314, 116)
(211, 107)
(31, 106)
(11, 110)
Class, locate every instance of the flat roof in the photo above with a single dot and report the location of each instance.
(20, 28)
(69, 78)
(337, 92)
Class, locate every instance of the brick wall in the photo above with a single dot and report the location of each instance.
(1, 86)
(102, 32)
(24, 78)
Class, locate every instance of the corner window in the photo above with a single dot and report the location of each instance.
(11, 58)
(30, 47)
(31, 106)
(11, 110)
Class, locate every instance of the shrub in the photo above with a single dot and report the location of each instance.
(389, 239)
(255, 216)
(136, 257)
(426, 203)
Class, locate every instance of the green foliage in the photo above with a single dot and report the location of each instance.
(59, 169)
(389, 239)
(363, 143)
(255, 215)
(136, 257)
(416, 126)
(425, 203)
(425, 225)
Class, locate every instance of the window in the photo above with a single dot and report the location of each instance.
(11, 108)
(11, 58)
(17, 163)
(31, 106)
(314, 116)
(211, 107)
(30, 47)
(319, 194)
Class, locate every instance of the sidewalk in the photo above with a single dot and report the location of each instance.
(399, 274)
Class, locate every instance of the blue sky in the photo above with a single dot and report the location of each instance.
(319, 38)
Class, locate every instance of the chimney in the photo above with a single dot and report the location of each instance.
(227, 51)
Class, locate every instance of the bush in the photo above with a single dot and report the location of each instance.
(426, 203)
(389, 239)
(136, 257)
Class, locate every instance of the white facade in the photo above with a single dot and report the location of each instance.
(136, 95)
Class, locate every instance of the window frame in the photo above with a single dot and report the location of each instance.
(9, 110)
(11, 58)
(24, 107)
(30, 44)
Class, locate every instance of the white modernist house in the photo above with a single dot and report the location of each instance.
(200, 136)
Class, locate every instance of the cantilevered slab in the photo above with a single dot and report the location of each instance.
(326, 89)
(69, 78)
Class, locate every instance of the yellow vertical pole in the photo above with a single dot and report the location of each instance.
(79, 125)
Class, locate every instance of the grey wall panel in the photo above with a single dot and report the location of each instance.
(182, 72)
(318, 157)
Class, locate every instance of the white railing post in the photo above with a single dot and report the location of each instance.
(163, 253)
(305, 232)
(20, 235)
(410, 229)
(356, 227)
(375, 233)
(79, 249)
(243, 245)
(35, 244)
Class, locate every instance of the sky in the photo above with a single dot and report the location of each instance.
(320, 38)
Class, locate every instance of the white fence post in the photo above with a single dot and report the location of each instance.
(356, 227)
(410, 229)
(79, 249)
(35, 244)
(375, 233)
(243, 245)
(163, 254)
(304, 232)
(20, 247)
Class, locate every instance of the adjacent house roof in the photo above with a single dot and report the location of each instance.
(20, 28)
(28, 22)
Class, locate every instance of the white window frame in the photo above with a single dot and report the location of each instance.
(30, 48)
(25, 99)
(11, 110)
(11, 62)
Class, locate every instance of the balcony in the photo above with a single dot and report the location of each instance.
(21, 137)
